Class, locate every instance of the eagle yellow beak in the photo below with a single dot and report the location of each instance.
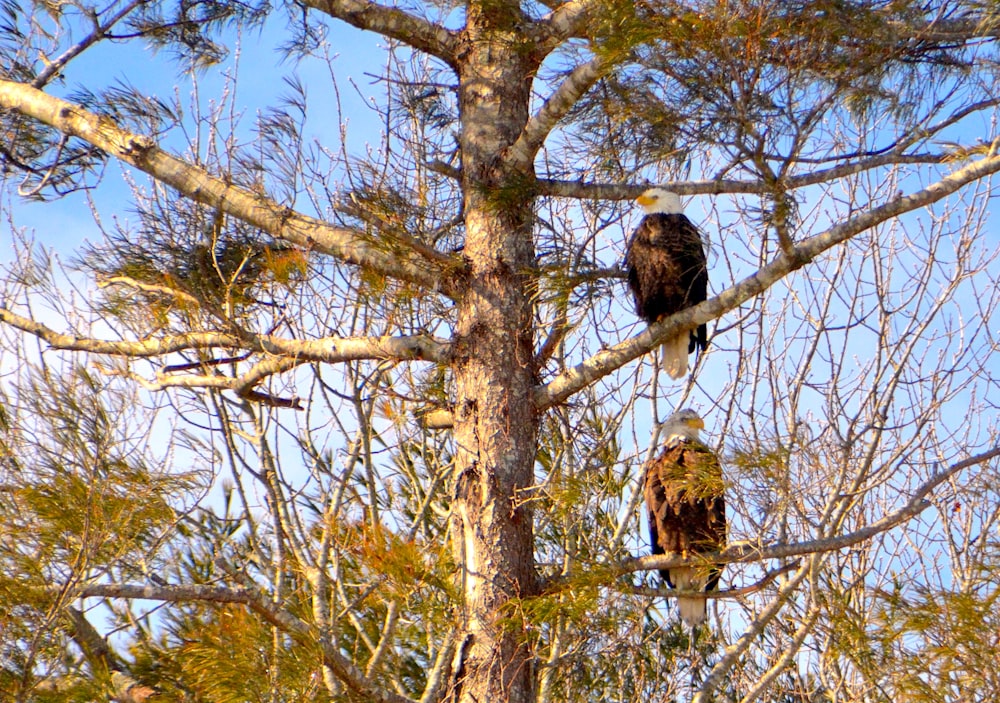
(696, 422)
(645, 200)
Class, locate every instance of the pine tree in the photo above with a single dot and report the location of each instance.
(369, 427)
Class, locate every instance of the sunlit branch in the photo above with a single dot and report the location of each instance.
(329, 349)
(570, 17)
(442, 668)
(165, 291)
(385, 638)
(250, 596)
(560, 328)
(724, 593)
(781, 666)
(244, 385)
(139, 349)
(393, 23)
(586, 190)
(732, 653)
(195, 183)
(578, 82)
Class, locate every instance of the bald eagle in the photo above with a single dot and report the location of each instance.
(667, 272)
(686, 510)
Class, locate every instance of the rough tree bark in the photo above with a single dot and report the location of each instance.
(495, 419)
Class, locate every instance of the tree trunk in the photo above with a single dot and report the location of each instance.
(495, 422)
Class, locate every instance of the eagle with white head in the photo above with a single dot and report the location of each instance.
(668, 272)
(686, 505)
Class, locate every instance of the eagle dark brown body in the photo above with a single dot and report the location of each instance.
(686, 507)
(667, 270)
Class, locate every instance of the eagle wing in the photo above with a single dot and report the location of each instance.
(667, 270)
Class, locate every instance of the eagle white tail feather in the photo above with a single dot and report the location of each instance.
(694, 611)
(675, 356)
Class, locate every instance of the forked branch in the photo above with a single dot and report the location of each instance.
(328, 349)
(393, 23)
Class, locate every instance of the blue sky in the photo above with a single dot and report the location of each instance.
(259, 66)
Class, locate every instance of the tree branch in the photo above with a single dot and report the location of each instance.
(280, 355)
(724, 593)
(950, 30)
(393, 23)
(732, 653)
(578, 82)
(328, 349)
(94, 647)
(568, 19)
(585, 190)
(52, 68)
(195, 183)
(298, 629)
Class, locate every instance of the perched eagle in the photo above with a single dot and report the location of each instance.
(667, 271)
(687, 510)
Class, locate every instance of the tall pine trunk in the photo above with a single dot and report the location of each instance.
(495, 421)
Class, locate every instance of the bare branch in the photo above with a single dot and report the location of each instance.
(624, 191)
(165, 291)
(138, 349)
(442, 668)
(243, 385)
(737, 648)
(578, 82)
(195, 183)
(52, 68)
(781, 666)
(250, 596)
(566, 20)
(393, 23)
(724, 593)
(328, 349)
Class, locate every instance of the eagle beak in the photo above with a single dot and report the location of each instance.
(697, 422)
(645, 200)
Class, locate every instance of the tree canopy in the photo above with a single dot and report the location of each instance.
(339, 418)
